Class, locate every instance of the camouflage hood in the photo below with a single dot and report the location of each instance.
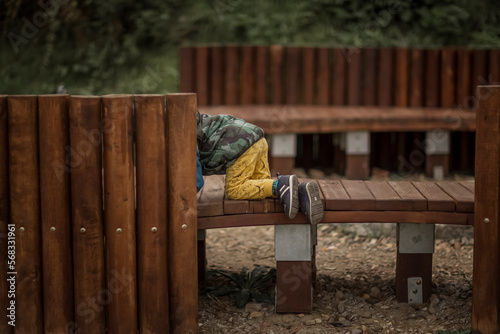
(222, 139)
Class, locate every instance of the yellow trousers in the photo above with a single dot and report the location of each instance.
(249, 177)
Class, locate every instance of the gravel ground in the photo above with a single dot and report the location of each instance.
(354, 290)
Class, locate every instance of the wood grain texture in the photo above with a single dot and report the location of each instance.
(410, 194)
(437, 199)
(353, 77)
(152, 238)
(448, 77)
(262, 73)
(494, 67)
(413, 265)
(4, 212)
(323, 76)
(230, 76)
(216, 75)
(294, 286)
(401, 77)
(432, 78)
(308, 66)
(387, 198)
(486, 271)
(210, 202)
(339, 77)
(277, 64)
(120, 214)
(25, 211)
(186, 69)
(361, 197)
(55, 196)
(182, 211)
(385, 77)
(292, 71)
(417, 78)
(370, 62)
(86, 129)
(464, 78)
(202, 75)
(464, 199)
(336, 197)
(247, 76)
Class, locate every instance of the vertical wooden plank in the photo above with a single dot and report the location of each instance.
(486, 262)
(261, 87)
(230, 76)
(53, 129)
(432, 76)
(413, 265)
(182, 213)
(307, 80)
(293, 286)
(186, 65)
(292, 75)
(354, 77)
(4, 216)
(216, 75)
(401, 78)
(247, 77)
(202, 83)
(479, 70)
(448, 77)
(339, 77)
(276, 74)
(463, 78)
(151, 213)
(494, 67)
(323, 76)
(120, 214)
(87, 203)
(417, 78)
(370, 76)
(25, 212)
(385, 77)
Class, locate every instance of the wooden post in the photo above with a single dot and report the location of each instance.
(25, 211)
(186, 69)
(151, 213)
(486, 271)
(182, 213)
(357, 155)
(88, 224)
(55, 206)
(4, 215)
(120, 214)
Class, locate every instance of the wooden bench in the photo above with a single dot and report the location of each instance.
(348, 109)
(415, 206)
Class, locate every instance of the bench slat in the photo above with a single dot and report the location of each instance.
(361, 197)
(437, 199)
(386, 197)
(422, 217)
(336, 198)
(469, 185)
(211, 199)
(233, 207)
(409, 193)
(263, 206)
(464, 199)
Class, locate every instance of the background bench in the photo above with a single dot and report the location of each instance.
(409, 110)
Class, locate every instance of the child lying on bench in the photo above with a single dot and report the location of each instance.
(232, 146)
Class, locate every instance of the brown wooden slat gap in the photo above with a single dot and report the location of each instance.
(494, 67)
(247, 77)
(202, 75)
(231, 75)
(432, 78)
(361, 197)
(463, 78)
(409, 193)
(385, 77)
(216, 75)
(401, 82)
(448, 66)
(417, 78)
(479, 70)
(339, 77)
(437, 200)
(323, 75)
(187, 64)
(464, 199)
(308, 70)
(387, 198)
(353, 77)
(292, 75)
(261, 81)
(469, 185)
(277, 63)
(370, 59)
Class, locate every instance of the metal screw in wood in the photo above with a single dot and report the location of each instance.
(119, 230)
(154, 229)
(419, 282)
(21, 229)
(52, 229)
(486, 220)
(415, 291)
(184, 226)
(83, 230)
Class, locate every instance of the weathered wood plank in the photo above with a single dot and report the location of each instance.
(252, 219)
(216, 75)
(464, 199)
(370, 58)
(401, 78)
(276, 74)
(386, 197)
(385, 77)
(420, 217)
(292, 71)
(261, 80)
(432, 78)
(409, 193)
(247, 76)
(361, 197)
(202, 82)
(187, 74)
(468, 185)
(463, 78)
(338, 91)
(448, 80)
(417, 78)
(354, 77)
(212, 196)
(336, 197)
(323, 76)
(230, 75)
(437, 199)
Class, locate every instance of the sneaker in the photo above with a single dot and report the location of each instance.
(288, 194)
(310, 202)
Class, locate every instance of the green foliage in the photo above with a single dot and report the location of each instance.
(245, 284)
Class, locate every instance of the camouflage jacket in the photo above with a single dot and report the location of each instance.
(222, 139)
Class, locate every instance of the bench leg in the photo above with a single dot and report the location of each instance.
(202, 257)
(339, 153)
(294, 268)
(357, 155)
(283, 150)
(437, 150)
(414, 262)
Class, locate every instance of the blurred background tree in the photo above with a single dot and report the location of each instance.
(99, 47)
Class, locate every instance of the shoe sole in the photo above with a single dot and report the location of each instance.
(315, 212)
(294, 197)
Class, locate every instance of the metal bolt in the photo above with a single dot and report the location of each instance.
(83, 230)
(119, 230)
(184, 226)
(52, 229)
(21, 229)
(419, 282)
(415, 291)
(486, 220)
(154, 229)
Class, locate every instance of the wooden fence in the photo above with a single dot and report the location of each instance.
(98, 214)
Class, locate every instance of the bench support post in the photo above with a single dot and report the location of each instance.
(414, 262)
(202, 257)
(294, 268)
(357, 155)
(437, 150)
(283, 152)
